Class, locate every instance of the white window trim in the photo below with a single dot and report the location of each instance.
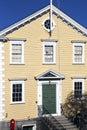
(54, 51)
(34, 126)
(52, 26)
(79, 80)
(78, 44)
(17, 82)
(17, 42)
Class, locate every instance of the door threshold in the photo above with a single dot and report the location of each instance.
(50, 115)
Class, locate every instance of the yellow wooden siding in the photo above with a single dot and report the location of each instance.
(33, 63)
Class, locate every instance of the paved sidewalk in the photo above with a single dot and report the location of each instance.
(4, 126)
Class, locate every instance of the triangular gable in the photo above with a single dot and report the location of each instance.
(49, 74)
(39, 13)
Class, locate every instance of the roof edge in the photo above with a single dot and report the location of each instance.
(24, 20)
(60, 14)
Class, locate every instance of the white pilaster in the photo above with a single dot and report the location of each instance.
(1, 80)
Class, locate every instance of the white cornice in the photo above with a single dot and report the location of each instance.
(24, 21)
(17, 79)
(2, 38)
(49, 40)
(17, 39)
(55, 75)
(70, 21)
(78, 41)
(83, 77)
(39, 13)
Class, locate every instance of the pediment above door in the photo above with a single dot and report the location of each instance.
(50, 75)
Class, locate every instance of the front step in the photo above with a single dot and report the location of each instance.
(55, 123)
(66, 123)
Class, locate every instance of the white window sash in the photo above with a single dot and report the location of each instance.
(78, 80)
(19, 51)
(49, 56)
(17, 82)
(78, 55)
(49, 53)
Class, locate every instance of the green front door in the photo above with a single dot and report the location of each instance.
(49, 98)
(28, 128)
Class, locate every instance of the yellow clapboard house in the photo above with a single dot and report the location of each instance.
(43, 58)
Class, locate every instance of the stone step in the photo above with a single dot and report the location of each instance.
(59, 121)
(64, 122)
(61, 118)
(72, 129)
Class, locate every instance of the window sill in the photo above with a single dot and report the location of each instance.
(14, 103)
(49, 63)
(17, 64)
(78, 63)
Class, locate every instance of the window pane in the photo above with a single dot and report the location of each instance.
(77, 89)
(17, 92)
(48, 53)
(78, 54)
(16, 53)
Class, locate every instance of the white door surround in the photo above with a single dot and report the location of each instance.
(58, 95)
(50, 77)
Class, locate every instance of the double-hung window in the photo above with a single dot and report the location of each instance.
(17, 52)
(78, 87)
(78, 53)
(17, 91)
(49, 52)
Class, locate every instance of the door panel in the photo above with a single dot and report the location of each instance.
(49, 98)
